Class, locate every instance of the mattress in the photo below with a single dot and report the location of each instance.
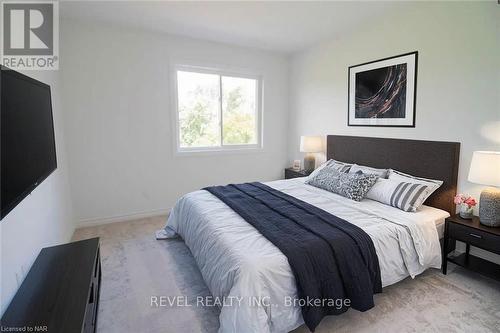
(236, 261)
(440, 225)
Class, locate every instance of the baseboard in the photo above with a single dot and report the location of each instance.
(121, 218)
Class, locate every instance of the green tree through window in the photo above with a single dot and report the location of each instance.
(207, 102)
(238, 111)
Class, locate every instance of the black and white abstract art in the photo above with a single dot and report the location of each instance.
(383, 92)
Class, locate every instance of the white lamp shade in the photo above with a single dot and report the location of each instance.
(311, 144)
(485, 168)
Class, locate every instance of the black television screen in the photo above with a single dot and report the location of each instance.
(28, 152)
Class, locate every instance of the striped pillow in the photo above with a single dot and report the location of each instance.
(340, 166)
(382, 173)
(403, 177)
(403, 195)
(403, 191)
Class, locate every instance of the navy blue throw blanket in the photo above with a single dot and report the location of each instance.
(331, 258)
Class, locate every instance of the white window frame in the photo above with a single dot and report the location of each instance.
(258, 146)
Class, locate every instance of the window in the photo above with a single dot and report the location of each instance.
(217, 111)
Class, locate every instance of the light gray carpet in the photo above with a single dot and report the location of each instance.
(136, 266)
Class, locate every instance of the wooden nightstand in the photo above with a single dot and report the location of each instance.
(290, 173)
(471, 232)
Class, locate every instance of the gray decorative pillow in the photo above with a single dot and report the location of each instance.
(353, 186)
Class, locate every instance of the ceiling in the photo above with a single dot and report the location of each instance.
(279, 26)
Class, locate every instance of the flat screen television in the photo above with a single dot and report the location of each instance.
(28, 151)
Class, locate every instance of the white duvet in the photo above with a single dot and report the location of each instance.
(238, 263)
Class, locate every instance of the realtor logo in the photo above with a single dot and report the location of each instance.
(30, 35)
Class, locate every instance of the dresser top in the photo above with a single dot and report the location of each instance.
(56, 287)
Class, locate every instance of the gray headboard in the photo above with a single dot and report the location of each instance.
(429, 159)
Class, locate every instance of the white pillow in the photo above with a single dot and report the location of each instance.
(382, 173)
(404, 177)
(403, 195)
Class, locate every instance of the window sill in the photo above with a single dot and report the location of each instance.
(223, 151)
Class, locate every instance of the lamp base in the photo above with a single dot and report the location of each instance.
(489, 207)
(309, 162)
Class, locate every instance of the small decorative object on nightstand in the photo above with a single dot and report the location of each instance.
(310, 145)
(291, 173)
(471, 232)
(467, 204)
(485, 170)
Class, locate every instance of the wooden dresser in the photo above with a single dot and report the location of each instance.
(60, 292)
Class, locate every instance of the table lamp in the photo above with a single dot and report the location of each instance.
(310, 145)
(485, 170)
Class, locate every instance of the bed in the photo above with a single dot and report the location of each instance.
(240, 264)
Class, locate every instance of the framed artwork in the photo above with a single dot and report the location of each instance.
(383, 92)
(296, 165)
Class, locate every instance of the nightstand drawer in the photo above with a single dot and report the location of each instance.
(474, 237)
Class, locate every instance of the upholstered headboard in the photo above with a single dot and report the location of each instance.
(428, 159)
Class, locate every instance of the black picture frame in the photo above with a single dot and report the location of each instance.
(411, 86)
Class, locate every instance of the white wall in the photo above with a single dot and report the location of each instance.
(116, 89)
(43, 218)
(457, 85)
